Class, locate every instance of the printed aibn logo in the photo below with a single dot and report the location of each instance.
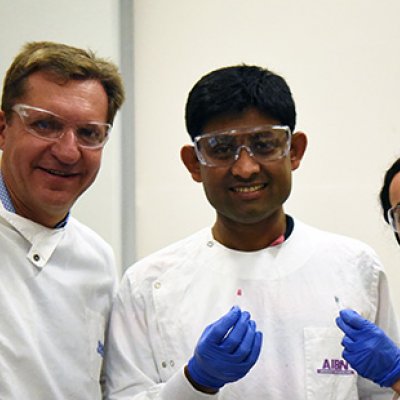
(335, 366)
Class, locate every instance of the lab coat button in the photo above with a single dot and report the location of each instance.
(157, 285)
(36, 257)
(210, 243)
(164, 364)
(172, 363)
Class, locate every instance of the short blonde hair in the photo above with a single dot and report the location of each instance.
(66, 63)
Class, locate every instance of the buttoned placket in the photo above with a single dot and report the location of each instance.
(166, 364)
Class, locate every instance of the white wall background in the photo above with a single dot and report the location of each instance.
(88, 24)
(342, 63)
(339, 57)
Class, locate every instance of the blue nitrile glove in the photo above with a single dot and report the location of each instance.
(226, 351)
(368, 350)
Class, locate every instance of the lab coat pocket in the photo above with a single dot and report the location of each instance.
(95, 330)
(328, 375)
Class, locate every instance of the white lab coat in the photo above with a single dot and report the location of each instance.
(167, 299)
(56, 290)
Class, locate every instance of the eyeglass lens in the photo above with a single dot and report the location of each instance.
(47, 125)
(225, 148)
(394, 215)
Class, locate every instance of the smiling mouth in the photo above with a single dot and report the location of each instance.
(57, 172)
(248, 189)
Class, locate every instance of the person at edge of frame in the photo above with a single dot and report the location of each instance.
(367, 348)
(58, 277)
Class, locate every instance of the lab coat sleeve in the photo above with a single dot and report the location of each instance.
(386, 319)
(130, 367)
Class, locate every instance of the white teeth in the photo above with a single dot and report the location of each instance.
(246, 189)
(54, 172)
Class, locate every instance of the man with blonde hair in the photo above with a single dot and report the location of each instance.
(57, 276)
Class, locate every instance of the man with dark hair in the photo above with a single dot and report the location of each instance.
(58, 277)
(279, 340)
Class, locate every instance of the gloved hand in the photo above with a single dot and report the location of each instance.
(368, 350)
(226, 351)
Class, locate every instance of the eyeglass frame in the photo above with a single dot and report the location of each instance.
(242, 131)
(391, 217)
(17, 108)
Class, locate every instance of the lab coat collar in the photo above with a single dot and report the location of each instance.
(43, 240)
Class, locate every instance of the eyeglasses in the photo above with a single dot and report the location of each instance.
(264, 143)
(394, 218)
(49, 126)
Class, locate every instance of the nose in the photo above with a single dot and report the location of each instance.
(245, 166)
(66, 148)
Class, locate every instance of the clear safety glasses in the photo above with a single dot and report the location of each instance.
(49, 126)
(264, 143)
(394, 218)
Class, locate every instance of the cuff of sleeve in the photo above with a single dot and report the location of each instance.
(391, 378)
(179, 388)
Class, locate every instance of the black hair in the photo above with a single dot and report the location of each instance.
(384, 193)
(232, 90)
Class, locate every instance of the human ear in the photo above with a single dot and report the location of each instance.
(189, 158)
(297, 149)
